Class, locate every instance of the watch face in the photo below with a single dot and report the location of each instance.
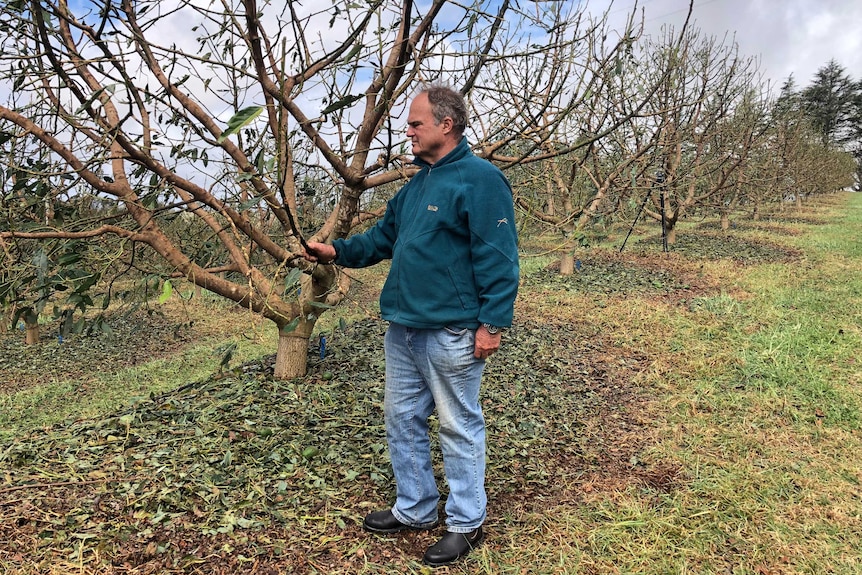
(492, 329)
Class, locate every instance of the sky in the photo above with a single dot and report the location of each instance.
(788, 36)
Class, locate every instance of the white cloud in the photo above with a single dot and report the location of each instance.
(795, 37)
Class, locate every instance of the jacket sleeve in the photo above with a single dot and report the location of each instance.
(493, 246)
(370, 247)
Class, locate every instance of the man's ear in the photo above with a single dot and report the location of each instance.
(448, 124)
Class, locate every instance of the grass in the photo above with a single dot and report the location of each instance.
(760, 410)
(720, 435)
(53, 403)
(758, 407)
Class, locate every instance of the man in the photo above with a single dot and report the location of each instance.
(450, 233)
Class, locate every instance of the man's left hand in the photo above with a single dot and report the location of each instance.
(486, 343)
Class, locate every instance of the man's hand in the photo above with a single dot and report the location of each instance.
(486, 343)
(320, 253)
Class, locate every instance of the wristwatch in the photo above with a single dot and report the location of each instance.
(492, 329)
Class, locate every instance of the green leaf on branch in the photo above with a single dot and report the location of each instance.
(248, 204)
(353, 52)
(342, 103)
(95, 95)
(227, 350)
(167, 290)
(239, 120)
(292, 278)
(291, 326)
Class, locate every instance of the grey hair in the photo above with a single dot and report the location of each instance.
(446, 102)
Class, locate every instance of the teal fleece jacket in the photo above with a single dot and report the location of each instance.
(450, 233)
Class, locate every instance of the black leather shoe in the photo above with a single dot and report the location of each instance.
(385, 522)
(452, 547)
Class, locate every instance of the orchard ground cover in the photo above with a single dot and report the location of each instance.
(690, 412)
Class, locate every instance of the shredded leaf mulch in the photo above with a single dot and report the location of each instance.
(240, 473)
(614, 274)
(139, 336)
(718, 245)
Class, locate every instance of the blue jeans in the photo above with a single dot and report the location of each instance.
(428, 368)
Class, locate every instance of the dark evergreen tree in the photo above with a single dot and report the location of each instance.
(832, 104)
(829, 103)
(789, 100)
(856, 133)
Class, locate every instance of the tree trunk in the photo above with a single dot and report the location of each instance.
(671, 236)
(291, 359)
(325, 287)
(567, 264)
(292, 356)
(31, 333)
(725, 221)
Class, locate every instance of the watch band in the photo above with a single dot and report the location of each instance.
(492, 329)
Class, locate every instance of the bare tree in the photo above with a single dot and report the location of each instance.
(787, 159)
(698, 150)
(739, 136)
(608, 142)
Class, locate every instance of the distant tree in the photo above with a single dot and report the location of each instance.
(830, 103)
(741, 136)
(608, 143)
(856, 133)
(789, 100)
(707, 112)
(777, 171)
(833, 105)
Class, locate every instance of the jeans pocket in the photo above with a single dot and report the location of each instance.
(457, 331)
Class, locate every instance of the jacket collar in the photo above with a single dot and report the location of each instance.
(458, 152)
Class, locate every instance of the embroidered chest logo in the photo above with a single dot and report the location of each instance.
(503, 221)
(432, 208)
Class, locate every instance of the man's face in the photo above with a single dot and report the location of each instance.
(431, 141)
